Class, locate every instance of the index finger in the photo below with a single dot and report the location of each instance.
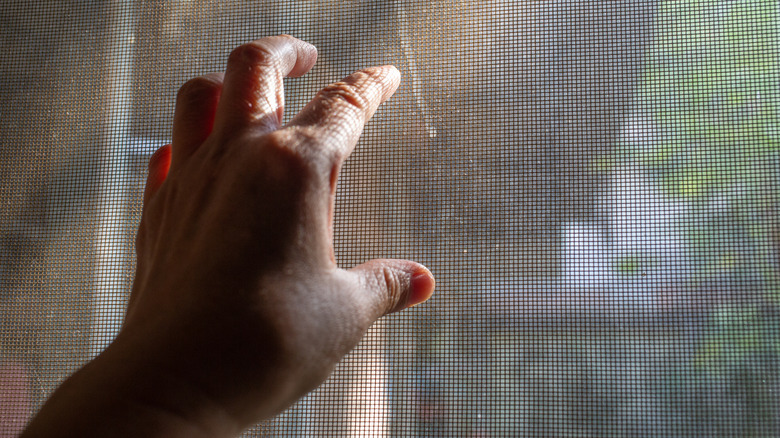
(339, 111)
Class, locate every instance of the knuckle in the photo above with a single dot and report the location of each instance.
(254, 53)
(346, 92)
(291, 158)
(305, 135)
(279, 143)
(282, 153)
(369, 75)
(394, 287)
(317, 150)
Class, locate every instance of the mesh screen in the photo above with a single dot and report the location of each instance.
(594, 184)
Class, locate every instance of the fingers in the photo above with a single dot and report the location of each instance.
(339, 111)
(193, 120)
(253, 87)
(394, 285)
(159, 164)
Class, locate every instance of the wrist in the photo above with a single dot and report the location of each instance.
(126, 391)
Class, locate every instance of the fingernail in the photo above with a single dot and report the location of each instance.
(422, 285)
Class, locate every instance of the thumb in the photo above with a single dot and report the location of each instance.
(394, 285)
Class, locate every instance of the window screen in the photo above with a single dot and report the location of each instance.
(594, 184)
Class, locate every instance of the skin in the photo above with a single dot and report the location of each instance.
(238, 308)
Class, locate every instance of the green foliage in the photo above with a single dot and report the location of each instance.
(709, 100)
(711, 88)
(631, 264)
(737, 335)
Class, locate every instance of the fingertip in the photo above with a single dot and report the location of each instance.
(389, 77)
(306, 57)
(340, 110)
(395, 79)
(394, 284)
(422, 285)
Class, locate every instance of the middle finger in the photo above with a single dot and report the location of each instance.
(253, 92)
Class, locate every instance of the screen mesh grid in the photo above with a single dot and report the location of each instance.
(593, 184)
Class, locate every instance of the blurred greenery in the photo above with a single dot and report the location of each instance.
(708, 119)
(736, 334)
(631, 265)
(711, 91)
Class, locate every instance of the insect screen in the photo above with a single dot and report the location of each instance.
(594, 185)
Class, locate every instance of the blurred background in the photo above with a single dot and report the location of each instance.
(594, 185)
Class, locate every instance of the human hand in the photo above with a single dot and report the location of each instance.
(238, 307)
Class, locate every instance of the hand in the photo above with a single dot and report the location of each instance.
(238, 307)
